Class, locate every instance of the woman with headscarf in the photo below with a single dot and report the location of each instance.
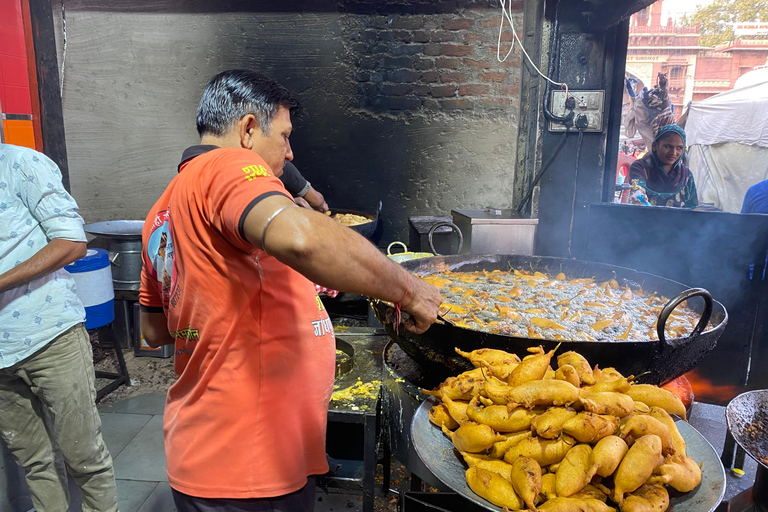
(661, 177)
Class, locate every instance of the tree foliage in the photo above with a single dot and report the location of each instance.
(716, 19)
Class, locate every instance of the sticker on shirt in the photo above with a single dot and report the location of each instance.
(255, 171)
(187, 334)
(322, 327)
(161, 255)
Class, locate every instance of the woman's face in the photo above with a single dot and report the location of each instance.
(669, 149)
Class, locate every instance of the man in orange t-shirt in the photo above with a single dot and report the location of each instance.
(229, 262)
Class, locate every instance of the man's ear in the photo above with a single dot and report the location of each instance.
(249, 130)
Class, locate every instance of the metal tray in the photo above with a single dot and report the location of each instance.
(116, 228)
(438, 455)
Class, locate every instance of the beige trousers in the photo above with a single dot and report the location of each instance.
(47, 401)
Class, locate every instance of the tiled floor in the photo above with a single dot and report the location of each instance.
(133, 431)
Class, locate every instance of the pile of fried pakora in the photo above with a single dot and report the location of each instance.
(574, 438)
(533, 304)
(349, 219)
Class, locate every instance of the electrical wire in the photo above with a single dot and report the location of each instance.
(508, 16)
(539, 174)
(64, 50)
(575, 187)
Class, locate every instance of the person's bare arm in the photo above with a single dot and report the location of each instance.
(154, 329)
(337, 257)
(52, 257)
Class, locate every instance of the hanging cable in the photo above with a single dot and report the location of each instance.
(508, 16)
(64, 51)
(539, 174)
(581, 123)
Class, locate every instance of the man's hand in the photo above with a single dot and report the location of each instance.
(302, 202)
(422, 302)
(55, 255)
(316, 200)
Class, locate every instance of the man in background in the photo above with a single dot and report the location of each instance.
(756, 199)
(46, 363)
(304, 194)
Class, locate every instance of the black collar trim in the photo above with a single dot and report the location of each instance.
(195, 151)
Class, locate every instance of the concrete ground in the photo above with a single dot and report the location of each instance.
(133, 431)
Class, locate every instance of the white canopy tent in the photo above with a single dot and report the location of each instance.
(727, 135)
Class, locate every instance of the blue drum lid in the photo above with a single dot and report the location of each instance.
(94, 259)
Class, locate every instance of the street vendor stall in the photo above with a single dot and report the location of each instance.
(728, 138)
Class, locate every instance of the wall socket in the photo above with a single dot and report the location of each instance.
(588, 103)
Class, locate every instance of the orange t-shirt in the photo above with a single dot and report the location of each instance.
(255, 350)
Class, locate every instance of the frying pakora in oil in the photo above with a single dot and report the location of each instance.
(537, 305)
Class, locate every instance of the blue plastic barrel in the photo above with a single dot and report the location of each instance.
(93, 279)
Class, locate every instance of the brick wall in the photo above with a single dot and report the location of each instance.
(427, 57)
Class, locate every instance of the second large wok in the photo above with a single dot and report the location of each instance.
(658, 360)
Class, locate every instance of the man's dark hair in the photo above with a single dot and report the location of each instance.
(233, 94)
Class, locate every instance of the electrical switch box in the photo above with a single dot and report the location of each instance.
(588, 103)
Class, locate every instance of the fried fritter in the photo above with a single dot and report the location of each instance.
(637, 466)
(574, 505)
(677, 440)
(617, 385)
(569, 374)
(440, 416)
(550, 424)
(532, 367)
(587, 427)
(591, 492)
(606, 456)
(473, 437)
(499, 467)
(493, 488)
(548, 486)
(457, 409)
(680, 472)
(526, 479)
(579, 363)
(572, 471)
(639, 425)
(648, 498)
(606, 374)
(543, 392)
(607, 402)
(488, 356)
(657, 397)
(500, 418)
(543, 451)
(501, 447)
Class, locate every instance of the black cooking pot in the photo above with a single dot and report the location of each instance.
(366, 229)
(663, 359)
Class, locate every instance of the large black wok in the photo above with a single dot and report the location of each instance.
(664, 359)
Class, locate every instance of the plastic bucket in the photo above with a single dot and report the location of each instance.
(93, 279)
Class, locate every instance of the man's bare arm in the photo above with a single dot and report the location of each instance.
(57, 254)
(337, 257)
(154, 328)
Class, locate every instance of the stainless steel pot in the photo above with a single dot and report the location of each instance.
(124, 244)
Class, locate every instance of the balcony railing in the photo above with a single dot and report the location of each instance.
(663, 29)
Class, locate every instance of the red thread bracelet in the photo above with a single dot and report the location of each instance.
(397, 304)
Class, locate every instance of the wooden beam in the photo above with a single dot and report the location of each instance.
(43, 67)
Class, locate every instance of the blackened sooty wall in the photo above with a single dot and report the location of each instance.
(406, 100)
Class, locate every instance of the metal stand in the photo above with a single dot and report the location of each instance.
(363, 410)
(118, 379)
